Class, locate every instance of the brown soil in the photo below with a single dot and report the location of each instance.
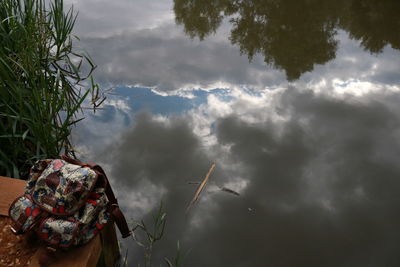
(15, 250)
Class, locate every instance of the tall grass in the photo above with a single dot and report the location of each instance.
(41, 83)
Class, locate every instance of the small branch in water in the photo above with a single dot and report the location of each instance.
(201, 187)
(229, 191)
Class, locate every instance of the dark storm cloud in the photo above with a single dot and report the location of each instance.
(164, 57)
(321, 192)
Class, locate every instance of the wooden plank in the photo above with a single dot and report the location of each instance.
(10, 189)
(110, 245)
(87, 255)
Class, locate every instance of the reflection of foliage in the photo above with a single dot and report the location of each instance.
(288, 39)
(200, 17)
(293, 35)
(375, 22)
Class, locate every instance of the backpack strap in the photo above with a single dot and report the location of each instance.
(113, 207)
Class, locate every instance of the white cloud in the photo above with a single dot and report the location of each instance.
(120, 104)
(356, 87)
(138, 202)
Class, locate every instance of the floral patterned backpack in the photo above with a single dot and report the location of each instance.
(66, 203)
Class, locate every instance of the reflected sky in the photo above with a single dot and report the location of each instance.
(307, 131)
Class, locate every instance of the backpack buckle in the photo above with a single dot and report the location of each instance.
(14, 231)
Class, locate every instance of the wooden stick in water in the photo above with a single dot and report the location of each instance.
(201, 187)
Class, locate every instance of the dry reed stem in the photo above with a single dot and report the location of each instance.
(201, 187)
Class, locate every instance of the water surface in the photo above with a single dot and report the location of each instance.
(295, 101)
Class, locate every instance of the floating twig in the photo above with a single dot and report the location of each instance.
(201, 187)
(229, 191)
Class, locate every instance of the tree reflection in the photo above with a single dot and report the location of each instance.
(200, 18)
(293, 35)
(375, 23)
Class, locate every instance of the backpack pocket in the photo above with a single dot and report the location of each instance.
(93, 216)
(24, 214)
(59, 232)
(62, 188)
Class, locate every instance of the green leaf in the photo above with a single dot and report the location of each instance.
(24, 134)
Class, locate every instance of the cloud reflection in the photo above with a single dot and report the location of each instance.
(319, 179)
(166, 59)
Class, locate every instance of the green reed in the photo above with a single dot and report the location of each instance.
(42, 86)
(146, 236)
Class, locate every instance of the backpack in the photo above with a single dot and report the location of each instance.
(66, 203)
